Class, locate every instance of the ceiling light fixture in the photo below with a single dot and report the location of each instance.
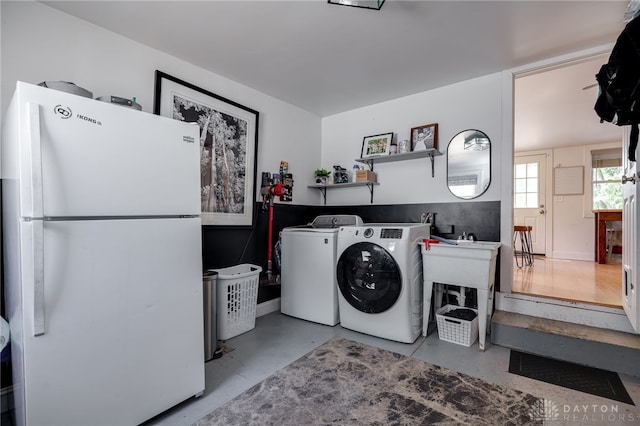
(476, 144)
(365, 4)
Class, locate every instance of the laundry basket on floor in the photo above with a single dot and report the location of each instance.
(237, 297)
(459, 331)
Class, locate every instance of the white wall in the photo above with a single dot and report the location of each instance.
(472, 104)
(573, 231)
(42, 44)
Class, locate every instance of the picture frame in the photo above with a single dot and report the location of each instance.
(229, 131)
(376, 145)
(568, 180)
(424, 137)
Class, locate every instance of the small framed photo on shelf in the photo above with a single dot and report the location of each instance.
(424, 137)
(376, 145)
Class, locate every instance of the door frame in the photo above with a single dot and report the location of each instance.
(548, 196)
(602, 317)
(507, 151)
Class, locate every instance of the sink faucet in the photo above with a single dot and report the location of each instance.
(467, 237)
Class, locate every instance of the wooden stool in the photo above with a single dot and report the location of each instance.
(524, 256)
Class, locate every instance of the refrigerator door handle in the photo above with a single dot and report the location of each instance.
(37, 229)
(37, 212)
(37, 209)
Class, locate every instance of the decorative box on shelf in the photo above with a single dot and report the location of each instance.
(365, 176)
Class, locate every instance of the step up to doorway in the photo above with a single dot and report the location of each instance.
(580, 344)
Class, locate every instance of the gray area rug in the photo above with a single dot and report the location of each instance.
(349, 383)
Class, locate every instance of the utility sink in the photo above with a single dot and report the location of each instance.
(461, 263)
(466, 264)
(477, 244)
(466, 249)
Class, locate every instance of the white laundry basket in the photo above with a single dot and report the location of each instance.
(237, 298)
(455, 330)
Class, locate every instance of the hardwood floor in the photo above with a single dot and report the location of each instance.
(573, 280)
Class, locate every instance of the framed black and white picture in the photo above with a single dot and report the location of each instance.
(424, 137)
(228, 148)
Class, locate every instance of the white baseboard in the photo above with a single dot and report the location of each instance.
(267, 307)
(571, 255)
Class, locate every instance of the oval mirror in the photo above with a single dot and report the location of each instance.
(469, 164)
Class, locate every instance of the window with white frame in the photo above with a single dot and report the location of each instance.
(525, 185)
(606, 175)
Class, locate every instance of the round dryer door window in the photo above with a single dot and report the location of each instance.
(369, 277)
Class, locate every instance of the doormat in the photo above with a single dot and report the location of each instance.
(589, 380)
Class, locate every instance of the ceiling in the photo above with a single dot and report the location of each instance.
(328, 59)
(554, 108)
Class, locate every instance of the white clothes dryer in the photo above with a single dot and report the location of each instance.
(308, 281)
(379, 274)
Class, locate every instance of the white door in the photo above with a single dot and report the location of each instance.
(529, 197)
(630, 240)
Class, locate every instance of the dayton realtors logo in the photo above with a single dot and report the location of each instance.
(580, 414)
(544, 410)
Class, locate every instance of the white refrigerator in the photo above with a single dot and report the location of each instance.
(103, 267)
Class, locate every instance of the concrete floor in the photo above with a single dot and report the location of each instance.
(279, 340)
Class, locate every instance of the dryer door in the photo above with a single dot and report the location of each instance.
(369, 277)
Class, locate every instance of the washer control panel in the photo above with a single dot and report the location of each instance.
(394, 233)
(386, 233)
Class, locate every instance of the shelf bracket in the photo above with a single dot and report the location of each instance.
(432, 171)
(370, 185)
(323, 191)
(370, 163)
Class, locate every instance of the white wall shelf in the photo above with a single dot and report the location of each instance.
(431, 153)
(323, 188)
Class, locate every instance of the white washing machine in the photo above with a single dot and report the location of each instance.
(379, 274)
(308, 280)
